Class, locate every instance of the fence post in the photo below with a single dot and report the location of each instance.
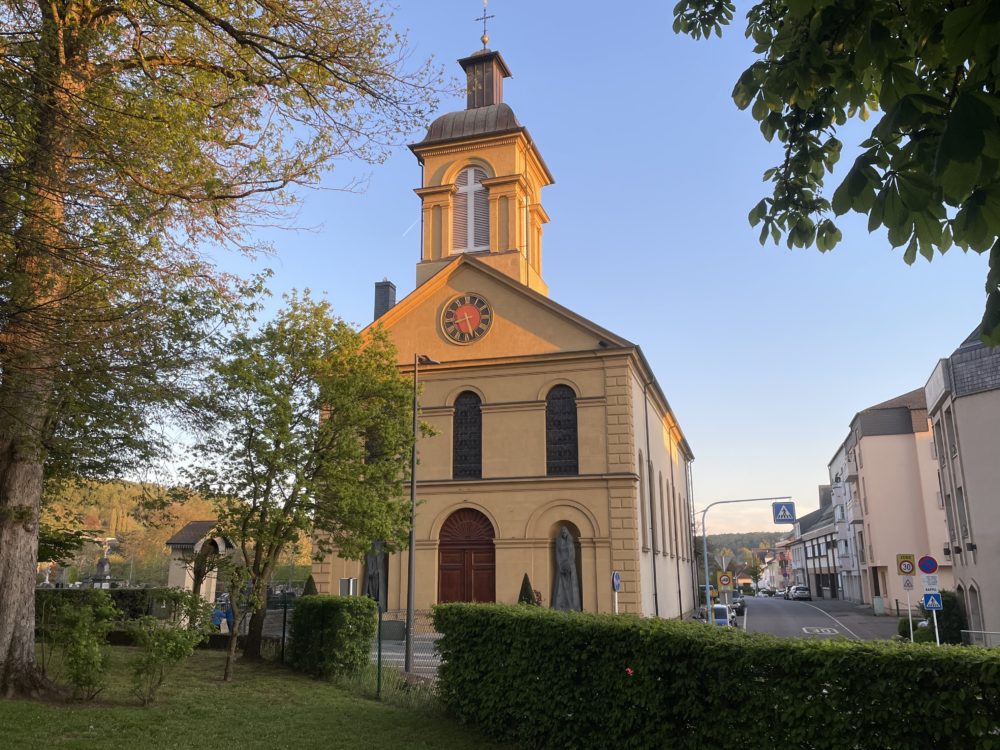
(378, 677)
(284, 620)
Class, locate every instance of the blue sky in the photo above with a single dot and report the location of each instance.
(764, 353)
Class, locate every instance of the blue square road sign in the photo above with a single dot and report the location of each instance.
(783, 512)
(932, 601)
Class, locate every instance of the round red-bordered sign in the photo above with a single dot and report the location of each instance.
(927, 564)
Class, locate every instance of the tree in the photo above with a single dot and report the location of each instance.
(133, 136)
(930, 170)
(311, 434)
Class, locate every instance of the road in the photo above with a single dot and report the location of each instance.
(825, 618)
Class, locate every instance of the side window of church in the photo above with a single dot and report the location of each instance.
(470, 229)
(560, 431)
(467, 456)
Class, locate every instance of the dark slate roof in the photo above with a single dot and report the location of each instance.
(915, 399)
(496, 118)
(191, 534)
(814, 520)
(974, 366)
(897, 416)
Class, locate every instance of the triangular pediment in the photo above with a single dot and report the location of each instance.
(524, 322)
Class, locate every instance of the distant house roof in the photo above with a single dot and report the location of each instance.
(191, 534)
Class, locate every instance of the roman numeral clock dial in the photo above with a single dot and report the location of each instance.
(466, 318)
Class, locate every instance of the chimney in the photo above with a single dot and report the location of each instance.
(385, 297)
(484, 73)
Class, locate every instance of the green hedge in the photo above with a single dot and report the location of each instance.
(557, 679)
(131, 603)
(332, 635)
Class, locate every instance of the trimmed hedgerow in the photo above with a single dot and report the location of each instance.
(562, 679)
(131, 603)
(332, 635)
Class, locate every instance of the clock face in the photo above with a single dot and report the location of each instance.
(466, 318)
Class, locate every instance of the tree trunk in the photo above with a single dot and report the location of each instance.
(255, 634)
(31, 341)
(20, 485)
(234, 635)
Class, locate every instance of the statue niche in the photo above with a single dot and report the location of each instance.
(566, 586)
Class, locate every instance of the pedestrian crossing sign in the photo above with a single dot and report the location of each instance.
(784, 512)
(932, 601)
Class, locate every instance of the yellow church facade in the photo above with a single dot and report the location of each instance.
(541, 419)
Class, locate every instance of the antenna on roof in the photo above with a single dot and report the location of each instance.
(485, 38)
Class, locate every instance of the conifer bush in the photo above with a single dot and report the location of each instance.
(527, 595)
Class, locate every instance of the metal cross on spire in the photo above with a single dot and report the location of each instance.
(485, 38)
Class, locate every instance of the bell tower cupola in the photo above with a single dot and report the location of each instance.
(482, 181)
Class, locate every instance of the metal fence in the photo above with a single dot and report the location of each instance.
(391, 641)
(986, 638)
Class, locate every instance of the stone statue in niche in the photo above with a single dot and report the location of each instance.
(566, 588)
(374, 574)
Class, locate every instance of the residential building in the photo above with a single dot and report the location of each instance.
(542, 419)
(814, 549)
(848, 527)
(890, 469)
(963, 399)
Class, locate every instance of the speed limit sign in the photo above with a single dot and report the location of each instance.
(906, 564)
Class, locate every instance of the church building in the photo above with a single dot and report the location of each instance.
(543, 420)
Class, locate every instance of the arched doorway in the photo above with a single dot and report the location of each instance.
(467, 558)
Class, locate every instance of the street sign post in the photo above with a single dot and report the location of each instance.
(933, 603)
(906, 564)
(616, 586)
(783, 512)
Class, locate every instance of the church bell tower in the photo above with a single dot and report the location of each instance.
(482, 182)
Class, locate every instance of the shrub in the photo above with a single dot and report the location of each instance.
(310, 588)
(950, 619)
(332, 635)
(527, 595)
(541, 678)
(165, 643)
(79, 630)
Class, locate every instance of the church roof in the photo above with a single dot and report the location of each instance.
(191, 534)
(608, 341)
(490, 120)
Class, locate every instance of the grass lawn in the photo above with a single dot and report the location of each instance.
(265, 706)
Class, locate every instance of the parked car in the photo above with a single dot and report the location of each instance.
(800, 593)
(739, 605)
(722, 615)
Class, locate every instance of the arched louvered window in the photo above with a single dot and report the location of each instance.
(470, 227)
(560, 431)
(467, 456)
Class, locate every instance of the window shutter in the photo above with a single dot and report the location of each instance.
(460, 214)
(481, 205)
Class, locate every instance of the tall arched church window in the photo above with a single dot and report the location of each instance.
(560, 432)
(467, 453)
(470, 229)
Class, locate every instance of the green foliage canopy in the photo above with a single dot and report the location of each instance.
(930, 170)
(310, 432)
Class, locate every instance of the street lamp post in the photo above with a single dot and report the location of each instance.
(418, 359)
(704, 541)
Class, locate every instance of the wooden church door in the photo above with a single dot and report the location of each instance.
(466, 558)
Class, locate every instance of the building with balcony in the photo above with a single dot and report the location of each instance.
(890, 497)
(963, 401)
